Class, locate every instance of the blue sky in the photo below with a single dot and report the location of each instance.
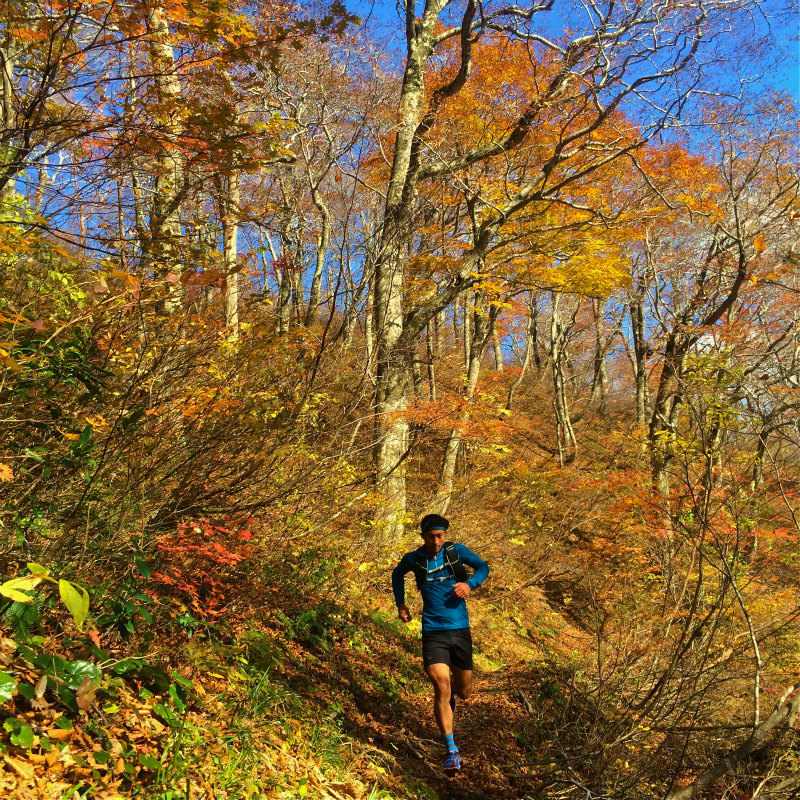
(777, 69)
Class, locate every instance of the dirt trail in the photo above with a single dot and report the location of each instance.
(487, 733)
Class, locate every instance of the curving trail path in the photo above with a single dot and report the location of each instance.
(497, 756)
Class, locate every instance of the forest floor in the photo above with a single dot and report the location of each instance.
(304, 698)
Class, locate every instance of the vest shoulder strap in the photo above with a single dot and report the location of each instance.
(451, 559)
(457, 568)
(420, 571)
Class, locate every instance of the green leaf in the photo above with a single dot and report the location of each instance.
(78, 670)
(51, 664)
(13, 589)
(67, 697)
(86, 435)
(142, 567)
(27, 691)
(177, 699)
(129, 423)
(23, 737)
(38, 569)
(167, 715)
(76, 599)
(181, 681)
(148, 762)
(126, 665)
(7, 685)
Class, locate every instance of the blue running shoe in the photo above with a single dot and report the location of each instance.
(453, 762)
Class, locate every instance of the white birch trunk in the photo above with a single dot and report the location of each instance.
(392, 394)
(230, 251)
(164, 235)
(8, 59)
(481, 327)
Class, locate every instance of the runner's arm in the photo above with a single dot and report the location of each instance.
(405, 566)
(480, 567)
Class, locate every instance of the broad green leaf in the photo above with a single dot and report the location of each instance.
(23, 737)
(78, 670)
(126, 665)
(52, 664)
(7, 684)
(177, 699)
(38, 569)
(13, 589)
(148, 762)
(26, 690)
(76, 599)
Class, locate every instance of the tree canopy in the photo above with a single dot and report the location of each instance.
(276, 280)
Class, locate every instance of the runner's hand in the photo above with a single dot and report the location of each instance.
(404, 614)
(462, 590)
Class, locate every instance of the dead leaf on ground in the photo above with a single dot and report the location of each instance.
(21, 768)
(86, 692)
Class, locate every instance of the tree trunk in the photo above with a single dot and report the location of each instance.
(758, 462)
(456, 326)
(664, 419)
(8, 59)
(416, 377)
(565, 435)
(284, 287)
(41, 185)
(599, 393)
(467, 333)
(230, 249)
(438, 330)
(164, 234)
(430, 356)
(391, 399)
(322, 248)
(498, 351)
(638, 335)
(530, 347)
(121, 239)
(481, 334)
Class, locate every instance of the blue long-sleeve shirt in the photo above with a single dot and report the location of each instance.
(441, 609)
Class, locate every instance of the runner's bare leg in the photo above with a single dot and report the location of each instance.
(439, 676)
(461, 682)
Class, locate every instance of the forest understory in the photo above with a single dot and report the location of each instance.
(278, 279)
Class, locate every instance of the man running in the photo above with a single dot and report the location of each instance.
(438, 567)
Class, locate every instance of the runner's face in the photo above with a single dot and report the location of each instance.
(434, 540)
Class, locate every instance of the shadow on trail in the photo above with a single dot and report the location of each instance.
(387, 704)
(366, 675)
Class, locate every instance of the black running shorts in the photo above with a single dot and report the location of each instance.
(447, 647)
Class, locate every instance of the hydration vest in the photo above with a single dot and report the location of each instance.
(451, 560)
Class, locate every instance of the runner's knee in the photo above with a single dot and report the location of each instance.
(441, 685)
